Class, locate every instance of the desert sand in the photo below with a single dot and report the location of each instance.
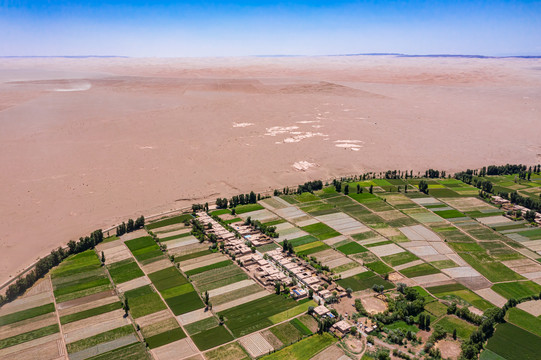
(88, 142)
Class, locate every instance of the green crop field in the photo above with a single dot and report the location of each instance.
(90, 312)
(241, 209)
(202, 269)
(27, 336)
(77, 264)
(286, 333)
(254, 315)
(165, 338)
(304, 349)
(365, 197)
(167, 278)
(351, 248)
(517, 289)
(311, 248)
(301, 307)
(466, 247)
(211, 338)
(449, 214)
(419, 270)
(214, 279)
(302, 240)
(185, 303)
(436, 308)
(460, 295)
(320, 231)
(171, 221)
(300, 326)
(524, 320)
(144, 301)
(364, 281)
(443, 264)
(26, 314)
(379, 267)
(493, 271)
(201, 325)
(192, 255)
(514, 343)
(365, 235)
(124, 270)
(463, 328)
(306, 197)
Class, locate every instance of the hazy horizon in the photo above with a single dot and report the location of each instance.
(254, 28)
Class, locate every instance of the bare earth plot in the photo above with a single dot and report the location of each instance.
(343, 223)
(335, 240)
(231, 287)
(384, 250)
(331, 353)
(194, 316)
(26, 303)
(307, 222)
(274, 203)
(256, 345)
(408, 265)
(21, 327)
(182, 242)
(156, 266)
(468, 204)
(525, 267)
(202, 261)
(292, 214)
(431, 279)
(461, 271)
(533, 307)
(337, 262)
(104, 347)
(153, 318)
(133, 284)
(175, 233)
(491, 296)
(45, 348)
(354, 271)
(263, 215)
(426, 201)
(257, 295)
(492, 220)
(176, 350)
(85, 300)
(94, 325)
(115, 253)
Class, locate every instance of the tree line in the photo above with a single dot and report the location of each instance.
(242, 199)
(130, 226)
(45, 264)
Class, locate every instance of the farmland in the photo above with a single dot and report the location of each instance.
(438, 243)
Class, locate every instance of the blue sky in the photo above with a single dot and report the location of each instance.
(231, 28)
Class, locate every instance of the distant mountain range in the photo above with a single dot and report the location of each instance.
(359, 54)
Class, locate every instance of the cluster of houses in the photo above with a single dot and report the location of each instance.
(305, 277)
(507, 205)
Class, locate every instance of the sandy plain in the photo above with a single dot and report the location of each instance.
(86, 143)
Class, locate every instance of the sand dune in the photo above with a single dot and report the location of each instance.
(149, 135)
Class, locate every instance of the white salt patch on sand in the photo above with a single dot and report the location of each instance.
(307, 122)
(276, 130)
(241, 125)
(349, 144)
(304, 165)
(302, 136)
(76, 87)
(146, 147)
